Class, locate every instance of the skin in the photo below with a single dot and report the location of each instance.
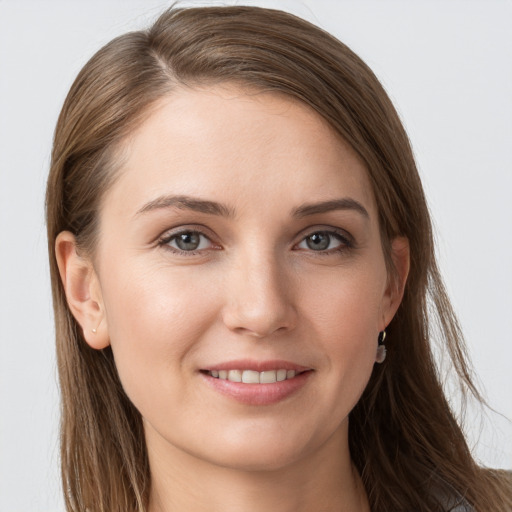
(255, 288)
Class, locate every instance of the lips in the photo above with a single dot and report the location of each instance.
(254, 377)
(256, 382)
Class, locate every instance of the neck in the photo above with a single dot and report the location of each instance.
(319, 482)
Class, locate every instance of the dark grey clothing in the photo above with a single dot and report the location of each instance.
(462, 506)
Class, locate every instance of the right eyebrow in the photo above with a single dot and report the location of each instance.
(344, 203)
(186, 203)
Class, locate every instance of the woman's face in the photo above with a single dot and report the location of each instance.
(241, 240)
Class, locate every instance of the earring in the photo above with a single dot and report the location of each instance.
(94, 331)
(381, 348)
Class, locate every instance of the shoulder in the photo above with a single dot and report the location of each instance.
(450, 500)
(499, 482)
(461, 506)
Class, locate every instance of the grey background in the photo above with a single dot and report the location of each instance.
(446, 65)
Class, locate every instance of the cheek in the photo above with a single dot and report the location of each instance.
(347, 305)
(345, 318)
(155, 319)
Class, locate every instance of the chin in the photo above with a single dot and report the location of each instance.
(257, 461)
(270, 451)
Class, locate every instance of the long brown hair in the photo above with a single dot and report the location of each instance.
(404, 439)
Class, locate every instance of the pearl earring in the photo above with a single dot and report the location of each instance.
(381, 349)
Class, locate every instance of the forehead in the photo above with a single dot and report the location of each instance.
(236, 146)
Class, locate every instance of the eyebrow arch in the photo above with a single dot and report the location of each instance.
(345, 203)
(186, 203)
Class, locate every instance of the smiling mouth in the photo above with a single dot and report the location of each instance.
(254, 377)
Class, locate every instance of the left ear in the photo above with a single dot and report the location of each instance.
(83, 291)
(400, 256)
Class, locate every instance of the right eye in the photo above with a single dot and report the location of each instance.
(187, 241)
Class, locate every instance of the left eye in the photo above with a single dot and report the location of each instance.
(321, 241)
(188, 241)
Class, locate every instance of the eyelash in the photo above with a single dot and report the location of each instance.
(346, 241)
(166, 239)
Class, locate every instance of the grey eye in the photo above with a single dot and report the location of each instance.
(320, 241)
(189, 241)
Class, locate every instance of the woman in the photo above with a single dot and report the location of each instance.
(241, 259)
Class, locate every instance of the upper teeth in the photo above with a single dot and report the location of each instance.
(253, 377)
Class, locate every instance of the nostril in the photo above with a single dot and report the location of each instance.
(260, 332)
(259, 323)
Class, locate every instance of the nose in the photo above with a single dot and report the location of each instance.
(259, 298)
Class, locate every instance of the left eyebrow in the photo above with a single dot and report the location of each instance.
(346, 203)
(187, 203)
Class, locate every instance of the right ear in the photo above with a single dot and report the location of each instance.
(83, 291)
